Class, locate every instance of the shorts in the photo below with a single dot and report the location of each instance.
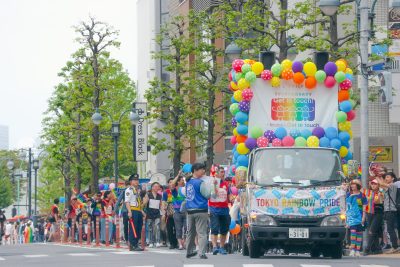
(219, 224)
(357, 228)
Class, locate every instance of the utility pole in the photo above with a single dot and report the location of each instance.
(30, 183)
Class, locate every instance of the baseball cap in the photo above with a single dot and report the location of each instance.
(374, 181)
(134, 176)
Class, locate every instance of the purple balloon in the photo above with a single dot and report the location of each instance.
(233, 122)
(244, 106)
(330, 69)
(270, 135)
(297, 66)
(318, 132)
(101, 187)
(251, 143)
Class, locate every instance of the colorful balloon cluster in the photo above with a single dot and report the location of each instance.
(244, 74)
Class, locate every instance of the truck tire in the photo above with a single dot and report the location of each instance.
(245, 248)
(254, 249)
(337, 251)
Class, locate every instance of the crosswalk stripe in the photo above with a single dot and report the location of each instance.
(373, 265)
(2, 259)
(258, 265)
(125, 253)
(81, 254)
(198, 265)
(142, 266)
(36, 256)
(312, 265)
(163, 251)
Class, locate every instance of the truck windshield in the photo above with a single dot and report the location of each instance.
(295, 167)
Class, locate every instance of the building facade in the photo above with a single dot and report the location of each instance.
(4, 137)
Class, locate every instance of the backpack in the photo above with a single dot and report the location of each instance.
(395, 201)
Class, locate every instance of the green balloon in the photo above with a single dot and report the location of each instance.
(341, 116)
(241, 168)
(251, 77)
(300, 142)
(234, 108)
(353, 103)
(340, 76)
(320, 76)
(256, 132)
(238, 76)
(276, 69)
(246, 68)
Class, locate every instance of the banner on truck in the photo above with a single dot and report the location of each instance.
(292, 106)
(298, 202)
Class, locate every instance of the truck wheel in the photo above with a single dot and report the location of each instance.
(254, 249)
(245, 248)
(315, 253)
(337, 251)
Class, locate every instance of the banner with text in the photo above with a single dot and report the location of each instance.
(141, 153)
(298, 202)
(292, 106)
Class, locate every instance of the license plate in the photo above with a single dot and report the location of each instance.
(298, 233)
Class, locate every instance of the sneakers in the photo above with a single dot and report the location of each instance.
(181, 248)
(190, 255)
(203, 257)
(151, 246)
(223, 251)
(215, 251)
(352, 253)
(158, 245)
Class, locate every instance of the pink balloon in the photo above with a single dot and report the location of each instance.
(288, 141)
(112, 186)
(262, 141)
(351, 115)
(276, 142)
(345, 85)
(247, 94)
(234, 191)
(330, 82)
(266, 75)
(233, 140)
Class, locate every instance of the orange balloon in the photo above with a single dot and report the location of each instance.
(287, 74)
(236, 230)
(343, 95)
(241, 139)
(311, 82)
(298, 78)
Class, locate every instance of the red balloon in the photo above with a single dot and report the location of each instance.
(351, 115)
(288, 141)
(233, 140)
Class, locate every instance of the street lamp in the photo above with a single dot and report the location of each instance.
(329, 7)
(115, 131)
(35, 164)
(233, 51)
(10, 165)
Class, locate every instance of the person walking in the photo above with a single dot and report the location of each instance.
(197, 194)
(107, 211)
(219, 212)
(390, 210)
(153, 215)
(170, 205)
(356, 204)
(134, 205)
(374, 217)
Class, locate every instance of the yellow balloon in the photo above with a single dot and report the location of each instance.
(247, 61)
(345, 169)
(235, 133)
(242, 149)
(237, 96)
(243, 84)
(257, 68)
(351, 134)
(343, 151)
(344, 126)
(312, 141)
(349, 71)
(286, 64)
(234, 86)
(310, 69)
(341, 65)
(275, 82)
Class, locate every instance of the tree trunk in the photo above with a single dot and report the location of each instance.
(95, 130)
(78, 161)
(67, 182)
(283, 45)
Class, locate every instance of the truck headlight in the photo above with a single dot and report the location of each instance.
(335, 220)
(263, 219)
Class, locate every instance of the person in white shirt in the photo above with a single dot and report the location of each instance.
(7, 233)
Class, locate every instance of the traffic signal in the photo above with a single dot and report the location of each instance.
(385, 92)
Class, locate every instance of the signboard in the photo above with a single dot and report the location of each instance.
(385, 153)
(292, 106)
(381, 51)
(298, 202)
(141, 153)
(394, 23)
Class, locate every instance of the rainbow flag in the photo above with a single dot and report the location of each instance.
(359, 171)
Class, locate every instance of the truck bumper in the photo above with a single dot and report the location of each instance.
(317, 235)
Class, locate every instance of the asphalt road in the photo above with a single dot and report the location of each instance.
(63, 255)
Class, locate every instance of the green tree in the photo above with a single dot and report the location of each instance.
(6, 193)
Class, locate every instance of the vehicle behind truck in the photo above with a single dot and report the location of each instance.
(293, 201)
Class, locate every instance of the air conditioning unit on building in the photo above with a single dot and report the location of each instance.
(385, 92)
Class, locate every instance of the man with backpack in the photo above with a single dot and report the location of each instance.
(390, 207)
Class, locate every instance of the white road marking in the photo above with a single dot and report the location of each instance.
(125, 252)
(2, 259)
(163, 251)
(142, 266)
(258, 265)
(36, 256)
(81, 254)
(312, 265)
(374, 265)
(198, 265)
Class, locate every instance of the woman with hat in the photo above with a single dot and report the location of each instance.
(356, 203)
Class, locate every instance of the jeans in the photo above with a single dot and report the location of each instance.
(374, 222)
(125, 221)
(390, 218)
(171, 231)
(197, 224)
(135, 228)
(153, 226)
(103, 229)
(180, 224)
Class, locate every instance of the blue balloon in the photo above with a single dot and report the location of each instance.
(232, 225)
(324, 142)
(349, 76)
(233, 73)
(349, 156)
(295, 133)
(233, 100)
(187, 168)
(235, 155)
(243, 160)
(345, 106)
(242, 129)
(280, 132)
(105, 187)
(336, 143)
(344, 136)
(241, 117)
(306, 133)
(331, 133)
(62, 200)
(346, 144)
